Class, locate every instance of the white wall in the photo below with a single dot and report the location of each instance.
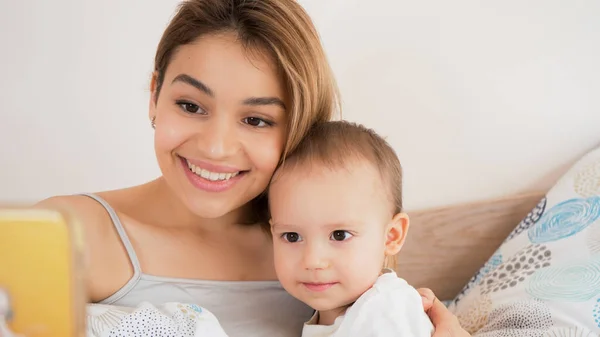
(480, 99)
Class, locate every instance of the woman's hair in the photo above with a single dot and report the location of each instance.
(279, 27)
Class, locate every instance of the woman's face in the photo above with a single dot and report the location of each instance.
(220, 124)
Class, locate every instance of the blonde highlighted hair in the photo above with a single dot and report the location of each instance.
(281, 28)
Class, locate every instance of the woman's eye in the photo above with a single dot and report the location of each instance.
(340, 235)
(256, 122)
(189, 107)
(291, 237)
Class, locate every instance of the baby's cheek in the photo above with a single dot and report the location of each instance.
(283, 260)
(365, 265)
(286, 270)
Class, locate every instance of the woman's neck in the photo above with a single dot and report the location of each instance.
(160, 207)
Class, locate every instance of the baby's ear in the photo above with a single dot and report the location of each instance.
(396, 232)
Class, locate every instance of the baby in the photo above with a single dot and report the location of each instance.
(336, 218)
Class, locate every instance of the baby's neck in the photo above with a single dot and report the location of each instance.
(327, 317)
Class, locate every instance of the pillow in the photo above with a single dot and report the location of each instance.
(544, 280)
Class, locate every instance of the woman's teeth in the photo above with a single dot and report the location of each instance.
(212, 176)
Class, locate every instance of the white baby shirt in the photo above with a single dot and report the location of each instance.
(390, 308)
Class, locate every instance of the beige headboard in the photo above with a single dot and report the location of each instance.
(446, 246)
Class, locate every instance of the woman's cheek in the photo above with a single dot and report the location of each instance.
(266, 152)
(171, 133)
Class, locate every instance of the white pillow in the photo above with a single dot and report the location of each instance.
(544, 280)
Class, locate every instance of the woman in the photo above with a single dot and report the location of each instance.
(236, 85)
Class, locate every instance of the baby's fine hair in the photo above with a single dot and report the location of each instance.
(340, 144)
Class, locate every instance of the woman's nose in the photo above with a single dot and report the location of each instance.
(220, 139)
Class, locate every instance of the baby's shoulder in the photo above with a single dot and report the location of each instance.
(392, 307)
(389, 283)
(390, 293)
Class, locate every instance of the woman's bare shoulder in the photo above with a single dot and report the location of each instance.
(89, 210)
(83, 208)
(108, 267)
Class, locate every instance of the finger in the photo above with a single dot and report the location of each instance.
(446, 324)
(443, 331)
(450, 331)
(427, 296)
(439, 314)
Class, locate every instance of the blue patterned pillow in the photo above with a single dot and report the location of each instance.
(544, 280)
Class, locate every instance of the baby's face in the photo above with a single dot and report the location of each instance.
(329, 232)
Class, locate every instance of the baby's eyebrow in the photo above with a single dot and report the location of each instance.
(330, 227)
(342, 225)
(278, 225)
(285, 227)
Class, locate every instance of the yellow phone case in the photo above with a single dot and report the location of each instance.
(41, 273)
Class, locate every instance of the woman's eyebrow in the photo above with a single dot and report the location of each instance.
(195, 83)
(254, 101)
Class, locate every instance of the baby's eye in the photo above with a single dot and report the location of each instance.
(340, 235)
(291, 237)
